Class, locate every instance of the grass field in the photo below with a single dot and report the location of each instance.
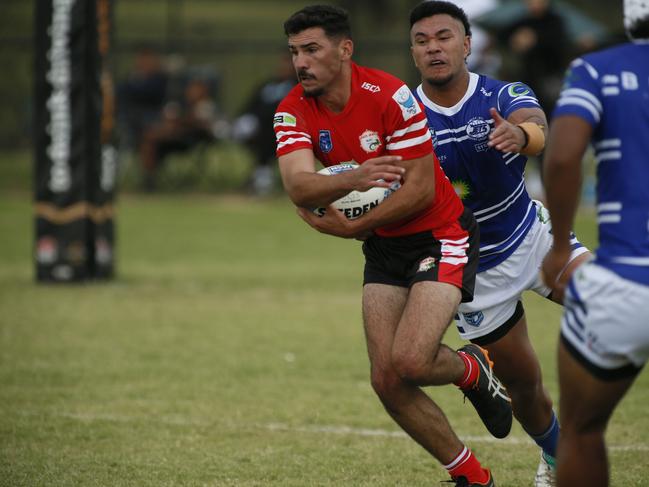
(229, 352)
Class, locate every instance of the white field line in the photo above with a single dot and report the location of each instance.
(181, 420)
(172, 420)
(346, 430)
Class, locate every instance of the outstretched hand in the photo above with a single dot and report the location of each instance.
(505, 137)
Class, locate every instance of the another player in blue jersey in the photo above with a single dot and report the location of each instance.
(604, 330)
(483, 129)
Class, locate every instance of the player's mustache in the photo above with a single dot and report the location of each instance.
(305, 75)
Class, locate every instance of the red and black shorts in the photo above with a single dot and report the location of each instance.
(449, 254)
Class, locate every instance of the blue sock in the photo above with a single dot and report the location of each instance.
(548, 440)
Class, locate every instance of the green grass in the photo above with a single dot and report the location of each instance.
(228, 351)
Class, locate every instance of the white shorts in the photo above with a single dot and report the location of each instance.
(498, 291)
(604, 324)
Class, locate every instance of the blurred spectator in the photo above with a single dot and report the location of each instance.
(141, 96)
(182, 125)
(254, 127)
(543, 48)
(484, 58)
(380, 12)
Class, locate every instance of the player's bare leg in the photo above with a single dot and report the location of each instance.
(392, 319)
(417, 352)
(517, 366)
(586, 404)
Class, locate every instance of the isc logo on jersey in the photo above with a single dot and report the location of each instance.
(409, 107)
(370, 87)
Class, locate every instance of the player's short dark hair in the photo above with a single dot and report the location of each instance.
(428, 8)
(640, 29)
(333, 20)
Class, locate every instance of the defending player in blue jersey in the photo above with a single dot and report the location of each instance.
(605, 100)
(483, 129)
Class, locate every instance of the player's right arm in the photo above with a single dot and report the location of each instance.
(569, 137)
(297, 163)
(308, 189)
(578, 113)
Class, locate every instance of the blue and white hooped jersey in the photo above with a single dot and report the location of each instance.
(610, 90)
(489, 182)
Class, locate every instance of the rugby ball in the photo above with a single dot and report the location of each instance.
(356, 203)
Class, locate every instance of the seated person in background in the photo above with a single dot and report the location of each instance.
(141, 97)
(182, 126)
(254, 128)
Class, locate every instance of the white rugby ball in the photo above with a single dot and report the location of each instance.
(356, 203)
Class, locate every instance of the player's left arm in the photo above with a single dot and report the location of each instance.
(524, 131)
(569, 137)
(417, 192)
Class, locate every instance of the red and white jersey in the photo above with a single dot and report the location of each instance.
(381, 117)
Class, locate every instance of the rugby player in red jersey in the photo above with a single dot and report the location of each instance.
(420, 244)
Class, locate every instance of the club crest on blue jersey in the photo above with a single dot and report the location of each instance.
(326, 144)
(477, 128)
(474, 319)
(517, 89)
